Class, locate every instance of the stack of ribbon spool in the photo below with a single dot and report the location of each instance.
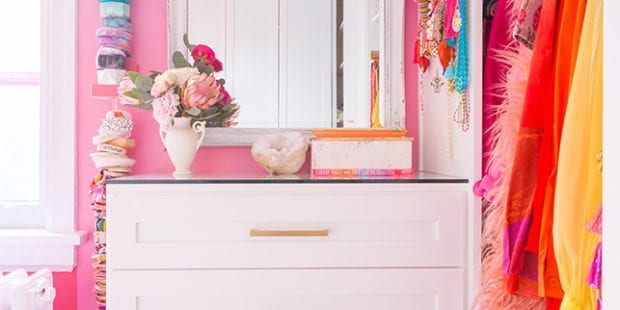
(114, 41)
(112, 142)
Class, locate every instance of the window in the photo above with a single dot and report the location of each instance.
(37, 161)
(19, 90)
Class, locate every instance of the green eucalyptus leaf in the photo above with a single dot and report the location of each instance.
(189, 46)
(204, 68)
(144, 106)
(221, 82)
(227, 114)
(154, 74)
(133, 75)
(212, 116)
(144, 83)
(179, 60)
(211, 110)
(227, 107)
(193, 111)
(139, 94)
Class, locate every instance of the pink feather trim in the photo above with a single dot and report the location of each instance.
(504, 134)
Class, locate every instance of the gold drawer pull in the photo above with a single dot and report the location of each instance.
(288, 233)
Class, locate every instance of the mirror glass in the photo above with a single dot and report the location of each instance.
(302, 63)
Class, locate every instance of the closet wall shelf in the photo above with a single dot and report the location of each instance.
(104, 91)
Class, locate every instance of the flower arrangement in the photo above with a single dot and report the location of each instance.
(187, 90)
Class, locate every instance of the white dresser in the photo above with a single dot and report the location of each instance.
(255, 243)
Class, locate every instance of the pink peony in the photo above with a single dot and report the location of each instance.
(202, 91)
(165, 107)
(217, 65)
(224, 97)
(206, 54)
(124, 86)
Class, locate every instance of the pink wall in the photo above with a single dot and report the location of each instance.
(149, 52)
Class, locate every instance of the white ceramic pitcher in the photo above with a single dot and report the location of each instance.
(182, 141)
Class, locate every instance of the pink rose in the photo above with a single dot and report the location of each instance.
(202, 91)
(160, 86)
(224, 96)
(165, 107)
(206, 54)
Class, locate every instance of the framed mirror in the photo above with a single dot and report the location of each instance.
(300, 64)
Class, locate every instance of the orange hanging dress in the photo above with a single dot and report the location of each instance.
(579, 183)
(535, 175)
(571, 14)
(521, 262)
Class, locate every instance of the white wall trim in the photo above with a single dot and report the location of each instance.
(33, 249)
(58, 94)
(54, 245)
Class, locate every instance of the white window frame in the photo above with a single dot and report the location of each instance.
(53, 246)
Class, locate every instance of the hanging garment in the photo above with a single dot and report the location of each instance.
(375, 119)
(521, 264)
(568, 37)
(504, 133)
(543, 118)
(499, 40)
(579, 180)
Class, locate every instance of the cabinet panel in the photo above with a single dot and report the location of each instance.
(208, 226)
(288, 289)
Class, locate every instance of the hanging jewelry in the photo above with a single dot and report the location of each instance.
(437, 82)
(421, 93)
(461, 78)
(450, 98)
(461, 115)
(456, 20)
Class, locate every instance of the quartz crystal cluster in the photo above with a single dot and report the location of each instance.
(281, 153)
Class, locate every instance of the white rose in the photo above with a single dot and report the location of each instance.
(179, 76)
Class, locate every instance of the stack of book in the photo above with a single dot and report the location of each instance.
(361, 152)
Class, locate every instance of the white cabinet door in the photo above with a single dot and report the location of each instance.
(394, 289)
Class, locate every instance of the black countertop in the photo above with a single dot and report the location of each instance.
(417, 177)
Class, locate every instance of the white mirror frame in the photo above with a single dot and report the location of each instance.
(391, 77)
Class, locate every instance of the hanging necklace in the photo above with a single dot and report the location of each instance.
(461, 78)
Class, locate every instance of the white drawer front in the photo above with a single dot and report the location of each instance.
(392, 289)
(208, 226)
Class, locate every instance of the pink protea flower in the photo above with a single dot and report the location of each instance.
(124, 86)
(202, 91)
(165, 107)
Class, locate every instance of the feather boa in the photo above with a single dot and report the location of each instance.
(504, 138)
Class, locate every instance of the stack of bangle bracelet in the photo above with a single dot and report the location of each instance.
(111, 142)
(114, 40)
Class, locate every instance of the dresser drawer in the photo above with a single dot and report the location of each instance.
(394, 289)
(285, 226)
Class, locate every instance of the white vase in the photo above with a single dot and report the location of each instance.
(182, 141)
